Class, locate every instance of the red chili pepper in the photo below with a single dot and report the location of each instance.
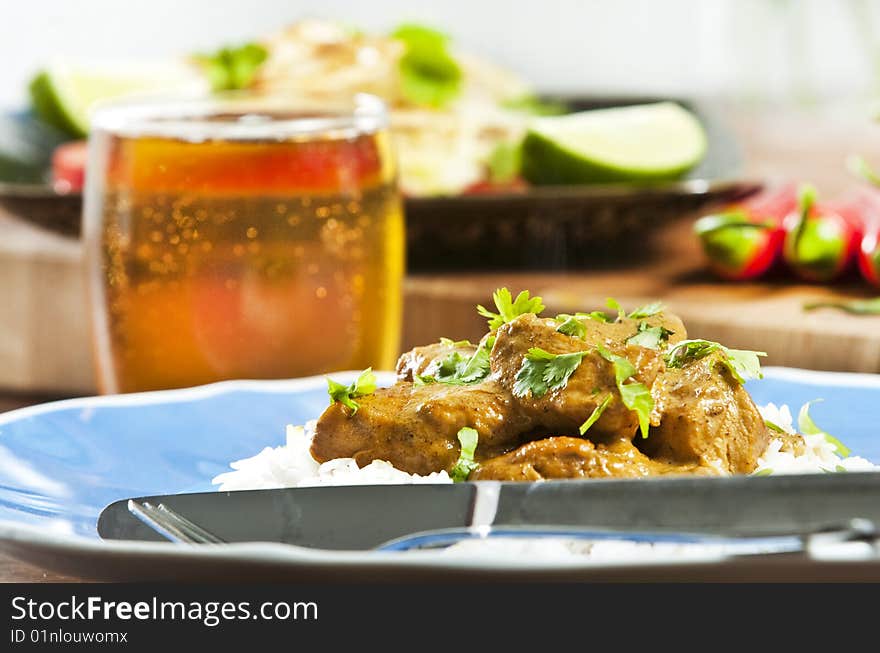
(820, 239)
(744, 240)
(868, 205)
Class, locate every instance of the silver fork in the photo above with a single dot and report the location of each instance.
(177, 528)
(172, 525)
(856, 530)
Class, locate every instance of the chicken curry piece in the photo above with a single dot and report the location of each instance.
(590, 395)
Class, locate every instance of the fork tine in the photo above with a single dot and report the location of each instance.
(147, 514)
(170, 524)
(199, 533)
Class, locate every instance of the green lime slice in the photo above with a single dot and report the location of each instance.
(64, 93)
(640, 143)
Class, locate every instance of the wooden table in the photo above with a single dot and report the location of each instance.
(765, 316)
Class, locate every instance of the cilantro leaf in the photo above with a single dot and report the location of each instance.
(648, 336)
(647, 310)
(852, 306)
(465, 464)
(530, 379)
(599, 316)
(807, 426)
(476, 367)
(456, 369)
(687, 350)
(742, 363)
(558, 370)
(510, 308)
(365, 384)
(429, 75)
(745, 364)
(610, 302)
(232, 68)
(635, 396)
(595, 415)
(571, 326)
(542, 371)
(623, 369)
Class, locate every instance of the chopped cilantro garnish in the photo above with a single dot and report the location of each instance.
(232, 68)
(599, 316)
(642, 312)
(807, 426)
(542, 371)
(465, 464)
(647, 310)
(775, 427)
(510, 308)
(365, 384)
(635, 396)
(610, 302)
(763, 472)
(596, 414)
(457, 369)
(649, 336)
(571, 326)
(742, 363)
(429, 75)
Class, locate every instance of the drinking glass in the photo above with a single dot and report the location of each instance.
(241, 237)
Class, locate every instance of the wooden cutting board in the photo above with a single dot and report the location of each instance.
(45, 344)
(44, 341)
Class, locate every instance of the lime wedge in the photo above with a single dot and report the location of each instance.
(63, 94)
(639, 143)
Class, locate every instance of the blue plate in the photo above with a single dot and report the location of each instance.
(62, 463)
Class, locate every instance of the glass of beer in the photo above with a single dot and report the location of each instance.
(241, 237)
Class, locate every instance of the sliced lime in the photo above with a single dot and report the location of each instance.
(639, 143)
(63, 94)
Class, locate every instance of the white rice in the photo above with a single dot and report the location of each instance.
(820, 454)
(291, 465)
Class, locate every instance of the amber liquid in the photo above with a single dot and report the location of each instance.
(223, 259)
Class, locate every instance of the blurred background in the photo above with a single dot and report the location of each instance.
(787, 91)
(799, 51)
